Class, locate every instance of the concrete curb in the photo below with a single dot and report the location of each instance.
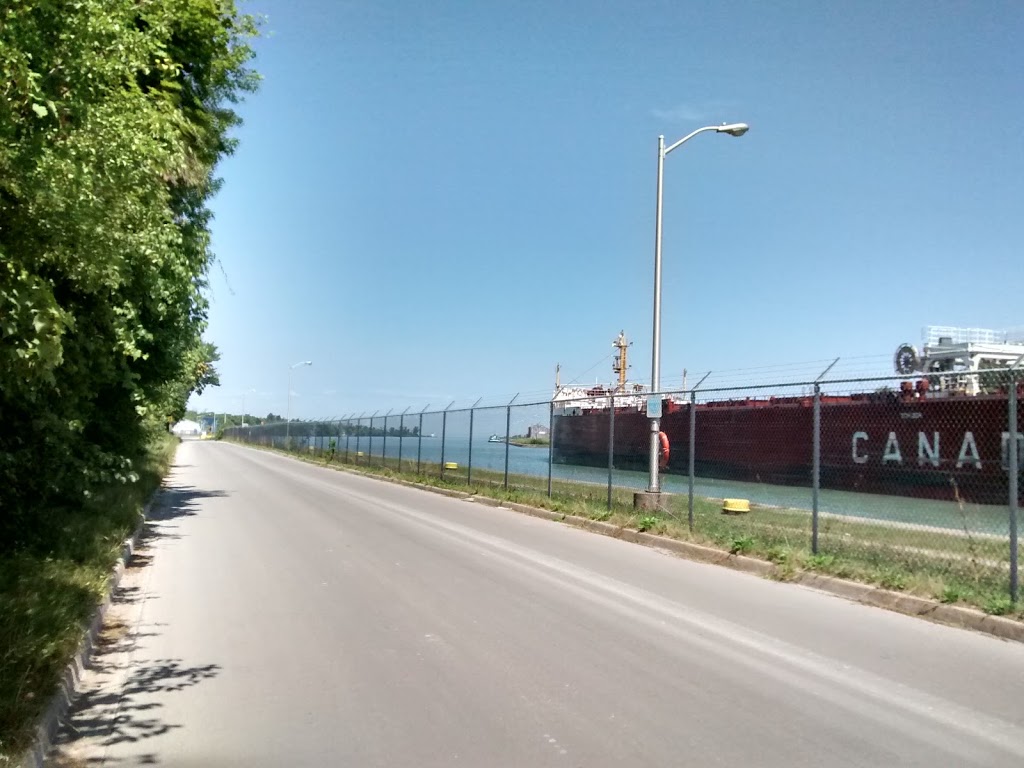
(866, 594)
(50, 720)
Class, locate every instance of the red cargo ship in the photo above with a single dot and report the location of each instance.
(942, 436)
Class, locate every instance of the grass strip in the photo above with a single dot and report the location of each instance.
(49, 592)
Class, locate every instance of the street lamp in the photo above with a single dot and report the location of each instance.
(246, 392)
(288, 415)
(732, 129)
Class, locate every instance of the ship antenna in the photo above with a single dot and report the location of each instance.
(620, 364)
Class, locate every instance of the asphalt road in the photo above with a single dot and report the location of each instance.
(282, 614)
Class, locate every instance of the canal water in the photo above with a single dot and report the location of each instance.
(533, 460)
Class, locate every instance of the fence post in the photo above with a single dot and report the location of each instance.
(444, 428)
(816, 456)
(469, 463)
(369, 449)
(401, 436)
(692, 458)
(1013, 475)
(611, 447)
(691, 469)
(359, 428)
(508, 425)
(815, 467)
(472, 410)
(551, 441)
(384, 450)
(419, 440)
(508, 433)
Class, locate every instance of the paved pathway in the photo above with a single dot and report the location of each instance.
(285, 615)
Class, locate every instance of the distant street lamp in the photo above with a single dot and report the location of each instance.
(733, 129)
(288, 416)
(246, 392)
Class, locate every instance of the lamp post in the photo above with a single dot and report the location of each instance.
(244, 393)
(288, 415)
(732, 129)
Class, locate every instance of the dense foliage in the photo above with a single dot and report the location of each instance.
(234, 419)
(113, 115)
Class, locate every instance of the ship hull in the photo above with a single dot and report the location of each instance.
(954, 449)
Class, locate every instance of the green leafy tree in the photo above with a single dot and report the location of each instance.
(113, 116)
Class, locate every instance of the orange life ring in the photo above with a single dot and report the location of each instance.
(663, 439)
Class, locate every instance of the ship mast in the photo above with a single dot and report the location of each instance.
(619, 363)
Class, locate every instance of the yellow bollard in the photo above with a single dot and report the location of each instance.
(735, 506)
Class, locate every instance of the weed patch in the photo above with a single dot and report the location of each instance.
(998, 606)
(647, 523)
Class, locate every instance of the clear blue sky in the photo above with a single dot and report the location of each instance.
(442, 200)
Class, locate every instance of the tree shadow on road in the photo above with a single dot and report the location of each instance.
(125, 712)
(180, 501)
(172, 503)
(122, 697)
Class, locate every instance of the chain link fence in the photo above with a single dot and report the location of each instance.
(875, 478)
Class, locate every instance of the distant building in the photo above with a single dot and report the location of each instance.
(186, 427)
(537, 430)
